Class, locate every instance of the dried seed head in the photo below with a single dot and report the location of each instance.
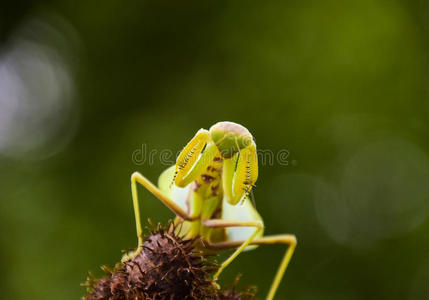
(230, 295)
(168, 267)
(114, 287)
(233, 294)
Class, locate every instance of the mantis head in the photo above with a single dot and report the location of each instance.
(230, 138)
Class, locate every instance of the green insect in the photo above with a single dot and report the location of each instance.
(208, 190)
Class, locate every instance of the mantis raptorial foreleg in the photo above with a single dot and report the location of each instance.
(198, 166)
(188, 157)
(173, 206)
(287, 239)
(220, 223)
(240, 174)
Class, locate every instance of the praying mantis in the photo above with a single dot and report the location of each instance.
(208, 191)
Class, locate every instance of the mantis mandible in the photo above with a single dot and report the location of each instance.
(208, 190)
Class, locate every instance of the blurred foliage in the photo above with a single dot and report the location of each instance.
(343, 86)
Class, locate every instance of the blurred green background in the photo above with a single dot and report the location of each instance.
(341, 85)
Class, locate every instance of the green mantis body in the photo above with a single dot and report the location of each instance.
(208, 190)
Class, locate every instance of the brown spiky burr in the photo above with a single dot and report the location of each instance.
(167, 268)
(233, 294)
(114, 286)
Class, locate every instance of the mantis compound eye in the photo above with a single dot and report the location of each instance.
(230, 138)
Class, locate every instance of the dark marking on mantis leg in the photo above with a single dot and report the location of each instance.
(207, 178)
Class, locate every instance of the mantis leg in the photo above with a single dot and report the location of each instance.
(220, 223)
(287, 239)
(189, 156)
(240, 174)
(174, 207)
(198, 166)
